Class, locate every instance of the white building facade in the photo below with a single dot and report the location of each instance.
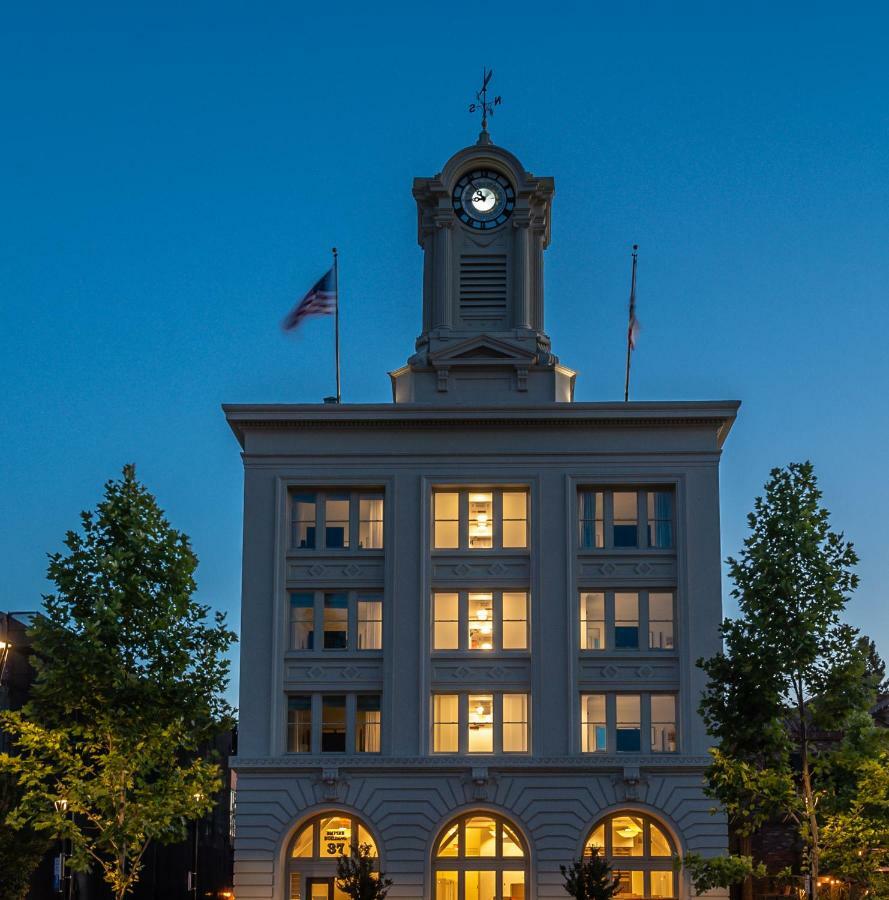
(470, 616)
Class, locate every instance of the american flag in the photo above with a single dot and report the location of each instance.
(319, 301)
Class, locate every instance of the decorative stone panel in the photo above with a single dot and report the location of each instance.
(644, 570)
(454, 672)
(341, 572)
(488, 569)
(319, 673)
(642, 672)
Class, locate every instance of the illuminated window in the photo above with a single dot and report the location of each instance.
(628, 723)
(370, 621)
(299, 724)
(640, 852)
(480, 723)
(663, 723)
(336, 621)
(487, 519)
(617, 619)
(611, 518)
(367, 724)
(348, 620)
(593, 723)
(342, 721)
(336, 520)
(327, 837)
(483, 621)
(480, 857)
(302, 621)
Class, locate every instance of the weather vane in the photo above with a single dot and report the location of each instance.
(482, 104)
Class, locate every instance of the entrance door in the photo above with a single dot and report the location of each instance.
(319, 889)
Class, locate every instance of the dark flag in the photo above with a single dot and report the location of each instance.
(321, 300)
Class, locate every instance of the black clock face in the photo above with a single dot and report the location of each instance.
(483, 199)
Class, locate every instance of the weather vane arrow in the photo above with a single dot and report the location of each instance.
(483, 105)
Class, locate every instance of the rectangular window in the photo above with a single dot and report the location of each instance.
(303, 513)
(660, 519)
(630, 885)
(629, 723)
(663, 723)
(333, 723)
(446, 885)
(626, 530)
(299, 724)
(481, 621)
(370, 521)
(480, 884)
(515, 723)
(493, 519)
(515, 620)
(370, 622)
(485, 621)
(660, 621)
(515, 519)
(367, 723)
(481, 723)
(592, 621)
(445, 723)
(593, 726)
(336, 621)
(446, 621)
(302, 621)
(336, 520)
(626, 621)
(514, 885)
(591, 507)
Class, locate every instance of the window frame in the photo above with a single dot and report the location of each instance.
(643, 623)
(645, 722)
(497, 621)
(607, 522)
(463, 492)
(463, 723)
(353, 597)
(316, 702)
(321, 496)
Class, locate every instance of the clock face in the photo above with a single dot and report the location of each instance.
(483, 199)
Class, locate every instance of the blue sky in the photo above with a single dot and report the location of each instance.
(173, 176)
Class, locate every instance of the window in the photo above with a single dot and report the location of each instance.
(480, 620)
(615, 722)
(320, 843)
(592, 723)
(640, 852)
(469, 519)
(660, 621)
(336, 520)
(663, 723)
(611, 518)
(349, 620)
(480, 856)
(342, 721)
(480, 723)
(614, 620)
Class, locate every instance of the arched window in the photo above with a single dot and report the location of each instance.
(480, 856)
(640, 852)
(314, 852)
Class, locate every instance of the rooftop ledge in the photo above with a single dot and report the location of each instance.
(648, 414)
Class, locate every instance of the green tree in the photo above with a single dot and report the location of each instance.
(788, 699)
(130, 677)
(21, 849)
(356, 876)
(590, 878)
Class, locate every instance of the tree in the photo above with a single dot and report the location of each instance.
(20, 849)
(356, 876)
(788, 698)
(130, 677)
(590, 878)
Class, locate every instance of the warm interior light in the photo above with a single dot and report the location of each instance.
(481, 615)
(480, 710)
(630, 831)
(486, 646)
(485, 629)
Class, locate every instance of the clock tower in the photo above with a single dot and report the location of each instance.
(483, 223)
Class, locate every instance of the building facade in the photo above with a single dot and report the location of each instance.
(470, 616)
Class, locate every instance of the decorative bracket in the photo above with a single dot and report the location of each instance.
(629, 783)
(331, 783)
(482, 781)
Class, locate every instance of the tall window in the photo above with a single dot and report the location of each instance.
(615, 722)
(620, 518)
(480, 620)
(336, 520)
(620, 619)
(334, 723)
(480, 856)
(346, 620)
(629, 723)
(489, 519)
(663, 723)
(640, 852)
(480, 723)
(593, 723)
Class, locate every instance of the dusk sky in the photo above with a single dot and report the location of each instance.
(172, 180)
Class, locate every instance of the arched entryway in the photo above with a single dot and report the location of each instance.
(641, 853)
(479, 856)
(314, 850)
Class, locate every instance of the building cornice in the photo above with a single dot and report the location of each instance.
(719, 415)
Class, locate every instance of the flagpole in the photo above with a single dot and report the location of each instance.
(630, 324)
(336, 320)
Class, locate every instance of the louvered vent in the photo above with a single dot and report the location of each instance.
(483, 288)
